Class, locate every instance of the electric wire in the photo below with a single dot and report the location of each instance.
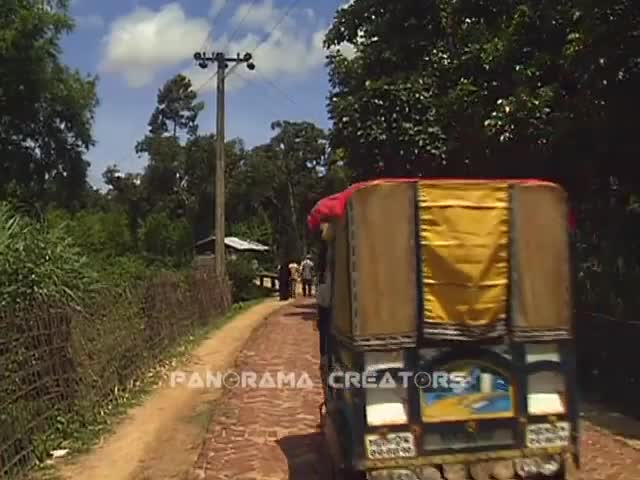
(266, 38)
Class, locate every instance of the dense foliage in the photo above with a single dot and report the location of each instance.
(41, 264)
(506, 89)
(46, 109)
(488, 88)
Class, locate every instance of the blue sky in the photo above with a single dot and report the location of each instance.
(135, 46)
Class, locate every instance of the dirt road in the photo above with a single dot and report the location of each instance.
(270, 434)
(161, 439)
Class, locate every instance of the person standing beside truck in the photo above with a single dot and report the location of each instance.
(306, 268)
(294, 275)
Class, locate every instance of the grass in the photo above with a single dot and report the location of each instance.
(83, 437)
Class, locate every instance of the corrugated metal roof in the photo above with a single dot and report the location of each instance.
(238, 244)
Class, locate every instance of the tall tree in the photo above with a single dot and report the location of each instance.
(177, 110)
(127, 192)
(176, 114)
(199, 184)
(46, 109)
(284, 177)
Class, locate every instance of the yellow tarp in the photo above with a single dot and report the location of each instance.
(464, 240)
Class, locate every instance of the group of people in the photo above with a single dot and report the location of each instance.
(292, 274)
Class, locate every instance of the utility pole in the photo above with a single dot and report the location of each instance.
(222, 62)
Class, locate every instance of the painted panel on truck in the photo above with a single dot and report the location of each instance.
(467, 390)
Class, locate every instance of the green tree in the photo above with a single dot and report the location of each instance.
(102, 235)
(503, 89)
(127, 192)
(177, 110)
(485, 88)
(46, 108)
(176, 114)
(165, 239)
(199, 185)
(382, 101)
(280, 181)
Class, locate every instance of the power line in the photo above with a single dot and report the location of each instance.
(272, 111)
(292, 4)
(246, 14)
(210, 29)
(203, 84)
(275, 86)
(278, 89)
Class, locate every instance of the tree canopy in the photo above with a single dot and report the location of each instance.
(46, 108)
(488, 88)
(503, 89)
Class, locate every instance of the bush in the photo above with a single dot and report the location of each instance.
(163, 238)
(38, 263)
(97, 233)
(242, 276)
(66, 371)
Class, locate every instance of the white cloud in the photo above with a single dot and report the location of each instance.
(282, 46)
(89, 21)
(142, 43)
(347, 50)
(145, 42)
(216, 7)
(263, 16)
(346, 4)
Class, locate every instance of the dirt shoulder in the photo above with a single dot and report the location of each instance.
(161, 438)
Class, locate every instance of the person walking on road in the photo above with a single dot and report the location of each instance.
(307, 276)
(294, 275)
(283, 281)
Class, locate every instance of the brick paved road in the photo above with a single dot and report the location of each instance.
(271, 434)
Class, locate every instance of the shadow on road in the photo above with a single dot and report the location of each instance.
(306, 456)
(602, 416)
(306, 311)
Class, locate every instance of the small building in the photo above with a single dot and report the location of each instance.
(234, 246)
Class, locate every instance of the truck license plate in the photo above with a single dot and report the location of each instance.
(541, 435)
(392, 445)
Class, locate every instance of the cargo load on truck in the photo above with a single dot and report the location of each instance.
(467, 264)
